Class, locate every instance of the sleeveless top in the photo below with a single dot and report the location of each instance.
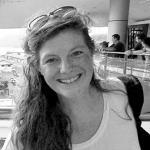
(117, 130)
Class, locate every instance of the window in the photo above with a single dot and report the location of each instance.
(12, 58)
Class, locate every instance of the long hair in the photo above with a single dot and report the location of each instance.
(40, 120)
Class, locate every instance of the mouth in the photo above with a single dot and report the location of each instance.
(70, 80)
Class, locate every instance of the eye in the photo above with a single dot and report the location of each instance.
(52, 60)
(77, 53)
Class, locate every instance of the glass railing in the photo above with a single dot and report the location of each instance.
(107, 65)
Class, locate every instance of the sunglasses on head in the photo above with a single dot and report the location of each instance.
(65, 12)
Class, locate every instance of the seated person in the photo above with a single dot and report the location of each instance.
(138, 46)
(139, 38)
(103, 45)
(117, 46)
(143, 52)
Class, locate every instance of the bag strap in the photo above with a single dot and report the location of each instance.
(135, 95)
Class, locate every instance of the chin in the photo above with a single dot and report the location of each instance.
(68, 94)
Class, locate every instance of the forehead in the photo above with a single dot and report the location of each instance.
(63, 41)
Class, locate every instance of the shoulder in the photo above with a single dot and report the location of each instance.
(115, 84)
(117, 98)
(119, 45)
(116, 94)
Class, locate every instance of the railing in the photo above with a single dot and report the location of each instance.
(107, 66)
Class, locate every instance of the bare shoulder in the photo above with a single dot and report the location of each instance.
(118, 98)
(115, 84)
(116, 95)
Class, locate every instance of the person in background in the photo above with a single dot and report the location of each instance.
(145, 52)
(139, 38)
(117, 46)
(146, 48)
(103, 45)
(64, 106)
(138, 46)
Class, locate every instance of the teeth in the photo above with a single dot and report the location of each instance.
(70, 80)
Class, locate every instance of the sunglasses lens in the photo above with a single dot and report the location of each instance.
(65, 12)
(36, 21)
(69, 14)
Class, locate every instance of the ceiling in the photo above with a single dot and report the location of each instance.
(16, 13)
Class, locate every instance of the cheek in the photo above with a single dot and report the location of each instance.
(48, 73)
(86, 62)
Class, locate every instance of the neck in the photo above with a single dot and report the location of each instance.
(79, 108)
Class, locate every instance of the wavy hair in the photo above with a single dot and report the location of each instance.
(40, 120)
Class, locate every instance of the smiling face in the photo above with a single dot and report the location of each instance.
(66, 63)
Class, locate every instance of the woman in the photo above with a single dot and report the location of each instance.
(64, 106)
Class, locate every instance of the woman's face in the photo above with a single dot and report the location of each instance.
(66, 63)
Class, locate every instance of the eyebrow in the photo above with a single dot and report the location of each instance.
(46, 57)
(79, 46)
(54, 55)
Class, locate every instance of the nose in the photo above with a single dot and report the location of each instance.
(65, 66)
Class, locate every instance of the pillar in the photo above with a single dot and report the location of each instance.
(118, 19)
